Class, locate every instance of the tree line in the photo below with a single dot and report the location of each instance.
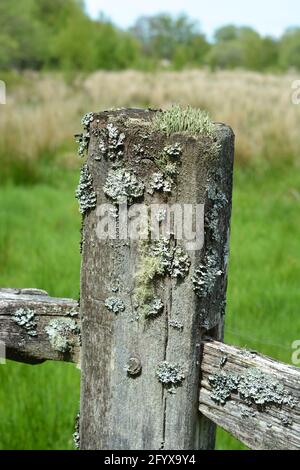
(58, 34)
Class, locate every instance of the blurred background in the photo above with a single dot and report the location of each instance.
(62, 58)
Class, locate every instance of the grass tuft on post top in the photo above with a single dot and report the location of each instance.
(188, 120)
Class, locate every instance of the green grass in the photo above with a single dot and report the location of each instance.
(39, 247)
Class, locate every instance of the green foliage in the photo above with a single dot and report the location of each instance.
(59, 34)
(39, 227)
(174, 40)
(73, 46)
(289, 51)
(22, 43)
(114, 49)
(242, 47)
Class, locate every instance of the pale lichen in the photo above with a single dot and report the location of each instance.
(206, 275)
(115, 142)
(158, 259)
(252, 387)
(172, 259)
(170, 374)
(84, 138)
(173, 150)
(165, 179)
(153, 309)
(86, 120)
(115, 305)
(219, 201)
(85, 193)
(25, 318)
(76, 434)
(149, 268)
(63, 334)
(110, 143)
(83, 141)
(180, 263)
(123, 186)
(176, 325)
(158, 182)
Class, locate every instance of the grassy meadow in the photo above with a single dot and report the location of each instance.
(39, 218)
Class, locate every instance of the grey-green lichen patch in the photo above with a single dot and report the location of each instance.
(173, 150)
(172, 259)
(177, 119)
(206, 274)
(25, 318)
(63, 334)
(252, 387)
(177, 325)
(87, 120)
(115, 305)
(123, 186)
(115, 142)
(158, 182)
(110, 143)
(83, 141)
(223, 361)
(158, 259)
(219, 200)
(223, 384)
(76, 434)
(180, 263)
(153, 309)
(167, 163)
(161, 215)
(85, 193)
(170, 374)
(149, 268)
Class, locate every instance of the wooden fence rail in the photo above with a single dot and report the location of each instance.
(253, 397)
(35, 327)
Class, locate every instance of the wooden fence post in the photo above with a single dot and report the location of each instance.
(146, 305)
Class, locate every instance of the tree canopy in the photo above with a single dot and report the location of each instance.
(58, 34)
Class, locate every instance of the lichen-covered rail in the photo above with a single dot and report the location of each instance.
(35, 327)
(255, 398)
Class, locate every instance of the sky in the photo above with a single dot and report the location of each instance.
(269, 17)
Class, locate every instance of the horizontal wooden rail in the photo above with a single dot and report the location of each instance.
(253, 397)
(35, 327)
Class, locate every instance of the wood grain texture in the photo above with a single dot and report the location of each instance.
(118, 410)
(22, 346)
(269, 427)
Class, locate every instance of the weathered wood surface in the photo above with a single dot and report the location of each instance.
(123, 403)
(25, 317)
(260, 426)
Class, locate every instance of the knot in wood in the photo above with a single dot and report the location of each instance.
(134, 366)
